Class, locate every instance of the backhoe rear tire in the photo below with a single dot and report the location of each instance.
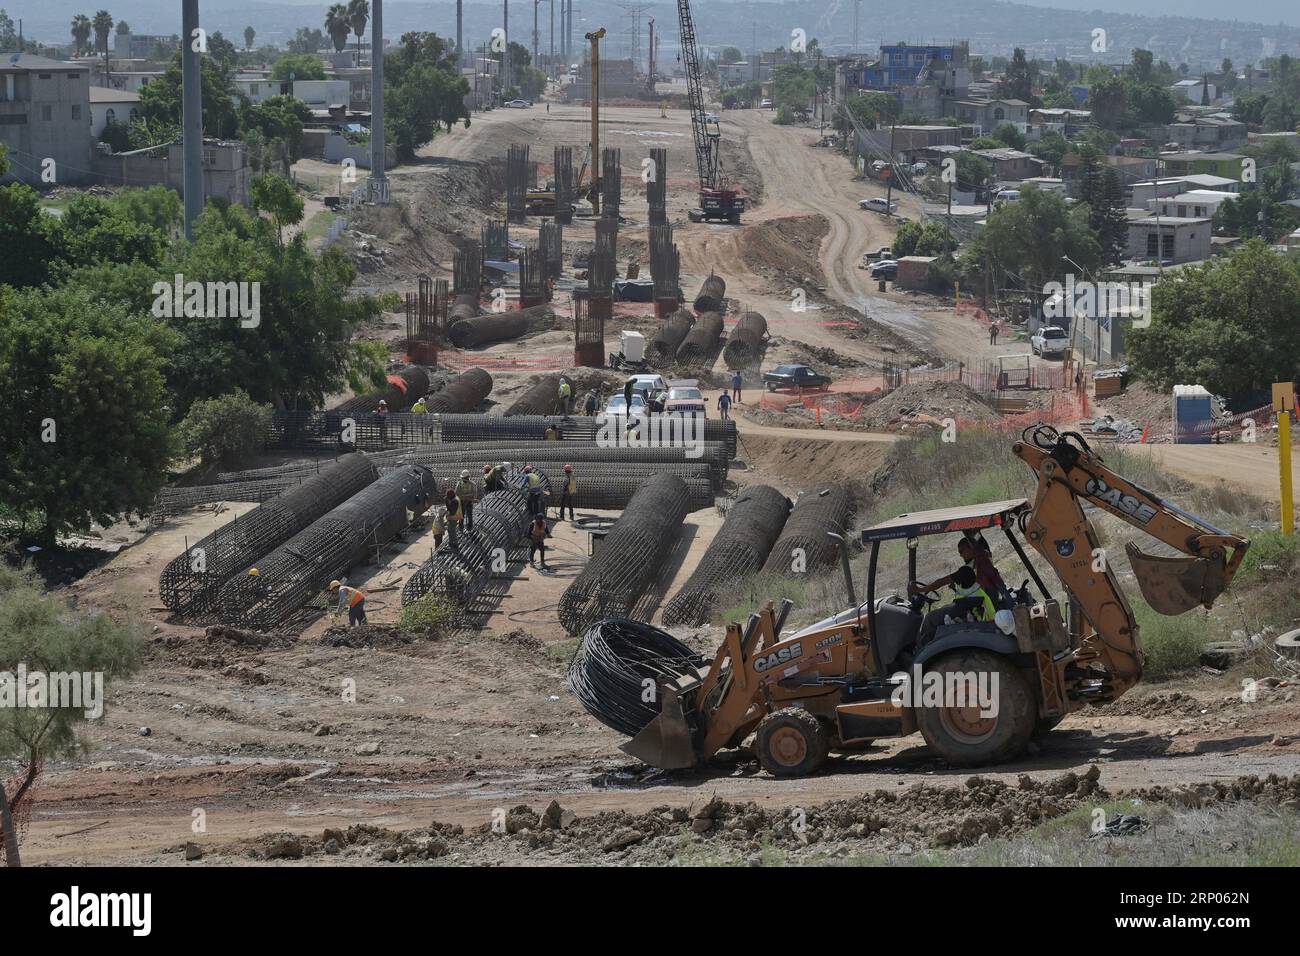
(965, 738)
(791, 743)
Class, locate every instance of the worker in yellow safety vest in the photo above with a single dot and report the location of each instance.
(566, 396)
(467, 492)
(971, 600)
(353, 599)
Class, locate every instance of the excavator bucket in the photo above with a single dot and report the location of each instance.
(1173, 586)
(666, 742)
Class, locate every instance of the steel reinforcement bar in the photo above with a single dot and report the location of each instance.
(540, 398)
(403, 389)
(745, 343)
(803, 545)
(701, 341)
(742, 545)
(669, 336)
(303, 566)
(630, 557)
(189, 583)
(463, 393)
(712, 292)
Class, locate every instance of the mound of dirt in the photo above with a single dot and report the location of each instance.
(800, 461)
(927, 404)
(368, 635)
(786, 251)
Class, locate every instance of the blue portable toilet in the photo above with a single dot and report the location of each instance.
(1193, 415)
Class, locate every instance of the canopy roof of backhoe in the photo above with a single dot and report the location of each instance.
(944, 520)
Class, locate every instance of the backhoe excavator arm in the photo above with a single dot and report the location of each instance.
(1070, 473)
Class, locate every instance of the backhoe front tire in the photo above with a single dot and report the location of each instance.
(961, 735)
(791, 743)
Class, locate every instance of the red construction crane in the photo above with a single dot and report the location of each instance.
(718, 200)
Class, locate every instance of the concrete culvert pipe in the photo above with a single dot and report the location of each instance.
(463, 393)
(702, 340)
(745, 344)
(712, 292)
(668, 337)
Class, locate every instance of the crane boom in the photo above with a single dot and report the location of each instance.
(706, 152)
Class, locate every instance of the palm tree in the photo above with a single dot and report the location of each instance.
(249, 34)
(338, 26)
(358, 15)
(103, 24)
(81, 32)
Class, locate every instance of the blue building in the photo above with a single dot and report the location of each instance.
(901, 64)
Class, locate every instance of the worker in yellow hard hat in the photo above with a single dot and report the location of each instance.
(254, 573)
(353, 599)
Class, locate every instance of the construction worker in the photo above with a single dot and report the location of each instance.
(454, 518)
(976, 555)
(419, 408)
(724, 406)
(383, 408)
(535, 492)
(491, 479)
(352, 599)
(537, 535)
(566, 396)
(592, 401)
(736, 381)
(971, 601)
(382, 412)
(569, 493)
(438, 525)
(633, 430)
(628, 388)
(467, 492)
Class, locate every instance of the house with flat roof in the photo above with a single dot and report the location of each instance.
(1166, 240)
(1194, 204)
(1227, 165)
(1012, 164)
(44, 118)
(984, 116)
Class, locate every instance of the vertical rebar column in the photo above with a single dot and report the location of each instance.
(421, 329)
(611, 182)
(191, 116)
(516, 182)
(532, 277)
(467, 269)
(657, 188)
(496, 239)
(665, 269)
(564, 184)
(602, 269)
(551, 241)
(589, 314)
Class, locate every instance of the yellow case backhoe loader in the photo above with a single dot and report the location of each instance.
(862, 675)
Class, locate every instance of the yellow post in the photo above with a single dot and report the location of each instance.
(957, 301)
(1284, 403)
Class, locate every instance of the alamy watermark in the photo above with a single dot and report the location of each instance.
(664, 430)
(39, 690)
(209, 300)
(945, 689)
(1093, 300)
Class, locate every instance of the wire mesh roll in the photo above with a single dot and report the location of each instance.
(476, 428)
(740, 548)
(189, 583)
(745, 343)
(403, 389)
(701, 341)
(303, 566)
(803, 545)
(668, 337)
(712, 292)
(463, 393)
(614, 660)
(630, 557)
(487, 329)
(540, 398)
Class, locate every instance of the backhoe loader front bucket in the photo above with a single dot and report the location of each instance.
(666, 742)
(1173, 586)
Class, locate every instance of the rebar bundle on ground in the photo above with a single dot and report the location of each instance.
(457, 574)
(745, 343)
(564, 192)
(701, 342)
(497, 428)
(613, 663)
(175, 501)
(656, 190)
(668, 338)
(190, 582)
(403, 389)
(741, 547)
(803, 545)
(303, 567)
(630, 558)
(712, 292)
(540, 398)
(463, 393)
(517, 182)
(611, 182)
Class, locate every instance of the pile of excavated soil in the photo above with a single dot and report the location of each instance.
(797, 462)
(1139, 402)
(927, 404)
(786, 251)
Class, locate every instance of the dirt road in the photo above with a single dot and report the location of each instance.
(1253, 468)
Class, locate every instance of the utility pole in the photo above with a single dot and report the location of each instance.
(378, 181)
(857, 9)
(505, 54)
(535, 40)
(191, 116)
(551, 4)
(460, 36)
(889, 180)
(595, 39)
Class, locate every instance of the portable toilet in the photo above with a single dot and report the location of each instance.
(1193, 415)
(632, 345)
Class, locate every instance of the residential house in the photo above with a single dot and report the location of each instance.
(909, 141)
(1144, 193)
(226, 172)
(1169, 240)
(1067, 122)
(1227, 165)
(1195, 204)
(45, 116)
(1207, 133)
(109, 105)
(1012, 164)
(1194, 91)
(984, 116)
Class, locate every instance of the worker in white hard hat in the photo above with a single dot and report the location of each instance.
(467, 492)
(569, 493)
(353, 600)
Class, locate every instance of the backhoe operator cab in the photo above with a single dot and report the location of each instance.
(976, 690)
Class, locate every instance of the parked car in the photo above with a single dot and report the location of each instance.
(794, 376)
(766, 103)
(517, 104)
(878, 205)
(685, 397)
(885, 269)
(879, 255)
(920, 166)
(647, 385)
(1050, 340)
(1007, 195)
(711, 118)
(617, 406)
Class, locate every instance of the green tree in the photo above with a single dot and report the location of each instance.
(86, 437)
(306, 40)
(1026, 242)
(299, 66)
(224, 431)
(155, 206)
(422, 91)
(249, 35)
(38, 631)
(338, 26)
(1108, 100)
(81, 30)
(972, 172)
(1108, 217)
(279, 118)
(276, 196)
(358, 15)
(1252, 215)
(160, 100)
(1142, 66)
(1051, 149)
(223, 51)
(26, 234)
(103, 26)
(1228, 325)
(1018, 82)
(1009, 135)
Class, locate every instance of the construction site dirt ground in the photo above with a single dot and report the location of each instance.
(330, 728)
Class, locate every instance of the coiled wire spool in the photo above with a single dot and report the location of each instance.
(741, 546)
(540, 398)
(630, 557)
(612, 663)
(712, 291)
(804, 542)
(403, 389)
(301, 568)
(745, 344)
(701, 341)
(189, 583)
(668, 337)
(462, 393)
